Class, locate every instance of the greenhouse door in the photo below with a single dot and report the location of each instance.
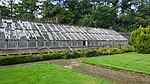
(85, 43)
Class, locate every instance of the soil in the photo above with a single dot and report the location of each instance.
(115, 76)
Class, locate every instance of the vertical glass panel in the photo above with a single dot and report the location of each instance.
(31, 44)
(12, 44)
(22, 44)
(41, 44)
(2, 44)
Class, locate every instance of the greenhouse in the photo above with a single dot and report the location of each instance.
(17, 34)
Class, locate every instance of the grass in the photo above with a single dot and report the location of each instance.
(45, 74)
(129, 61)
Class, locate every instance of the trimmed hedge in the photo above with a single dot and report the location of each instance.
(54, 55)
(6, 60)
(90, 53)
(69, 54)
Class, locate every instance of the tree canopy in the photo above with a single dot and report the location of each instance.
(123, 16)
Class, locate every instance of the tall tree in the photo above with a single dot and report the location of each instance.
(26, 9)
(4, 12)
(125, 6)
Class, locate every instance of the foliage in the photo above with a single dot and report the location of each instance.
(18, 59)
(66, 17)
(4, 12)
(91, 53)
(129, 61)
(54, 55)
(45, 74)
(127, 49)
(70, 54)
(14, 59)
(26, 9)
(140, 39)
(113, 14)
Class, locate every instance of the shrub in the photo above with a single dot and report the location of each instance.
(14, 59)
(18, 59)
(111, 51)
(107, 51)
(140, 39)
(99, 52)
(91, 53)
(71, 54)
(126, 49)
(54, 55)
(115, 50)
(81, 53)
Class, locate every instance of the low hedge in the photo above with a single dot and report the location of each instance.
(90, 53)
(6, 60)
(54, 55)
(69, 54)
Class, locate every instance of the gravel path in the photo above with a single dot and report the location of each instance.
(115, 76)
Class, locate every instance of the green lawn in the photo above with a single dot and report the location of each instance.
(45, 74)
(130, 61)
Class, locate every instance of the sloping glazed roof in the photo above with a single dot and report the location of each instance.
(25, 30)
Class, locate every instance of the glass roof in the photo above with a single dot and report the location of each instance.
(18, 30)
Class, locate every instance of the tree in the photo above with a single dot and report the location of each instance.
(125, 6)
(4, 12)
(87, 20)
(128, 22)
(26, 9)
(6, 9)
(105, 17)
(65, 17)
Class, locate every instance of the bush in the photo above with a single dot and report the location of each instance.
(91, 53)
(108, 51)
(140, 39)
(18, 59)
(70, 54)
(99, 52)
(5, 60)
(81, 53)
(126, 49)
(54, 55)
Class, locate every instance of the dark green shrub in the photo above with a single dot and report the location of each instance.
(91, 53)
(71, 54)
(8, 60)
(19, 59)
(140, 39)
